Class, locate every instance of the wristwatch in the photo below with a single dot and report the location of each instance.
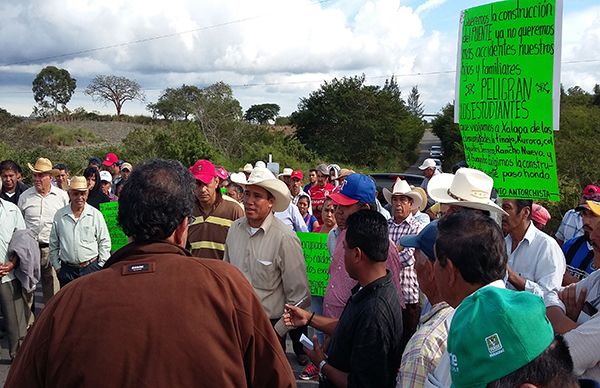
(322, 365)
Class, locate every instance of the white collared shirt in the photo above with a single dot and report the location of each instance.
(39, 211)
(77, 240)
(539, 259)
(292, 218)
(11, 220)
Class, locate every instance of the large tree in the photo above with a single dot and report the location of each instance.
(262, 113)
(53, 87)
(348, 121)
(414, 102)
(176, 103)
(118, 90)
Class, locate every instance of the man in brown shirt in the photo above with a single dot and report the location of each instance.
(155, 316)
(213, 214)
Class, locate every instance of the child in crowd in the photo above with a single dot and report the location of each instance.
(311, 222)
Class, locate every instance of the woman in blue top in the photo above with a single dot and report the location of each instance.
(311, 222)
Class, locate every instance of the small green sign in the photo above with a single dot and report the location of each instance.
(508, 94)
(118, 239)
(317, 260)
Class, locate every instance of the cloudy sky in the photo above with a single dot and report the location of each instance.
(268, 50)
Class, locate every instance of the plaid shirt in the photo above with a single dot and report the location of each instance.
(408, 276)
(571, 226)
(425, 348)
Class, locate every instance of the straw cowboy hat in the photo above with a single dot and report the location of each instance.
(78, 183)
(247, 168)
(286, 172)
(263, 177)
(401, 187)
(423, 195)
(43, 165)
(467, 188)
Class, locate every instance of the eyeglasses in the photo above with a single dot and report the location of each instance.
(191, 220)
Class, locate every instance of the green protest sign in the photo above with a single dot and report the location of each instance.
(110, 210)
(508, 93)
(316, 255)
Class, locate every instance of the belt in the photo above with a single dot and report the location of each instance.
(83, 264)
(43, 245)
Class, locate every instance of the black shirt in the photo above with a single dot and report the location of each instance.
(19, 189)
(367, 342)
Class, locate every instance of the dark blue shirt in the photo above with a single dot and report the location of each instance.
(367, 342)
(579, 256)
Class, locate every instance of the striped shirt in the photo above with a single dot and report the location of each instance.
(571, 226)
(425, 348)
(408, 276)
(208, 232)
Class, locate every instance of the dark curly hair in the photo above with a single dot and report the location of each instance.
(158, 195)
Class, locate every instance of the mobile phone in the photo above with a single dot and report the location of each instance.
(304, 340)
(589, 309)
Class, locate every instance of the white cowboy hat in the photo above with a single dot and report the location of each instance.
(260, 163)
(423, 195)
(238, 177)
(43, 165)
(286, 172)
(467, 188)
(401, 187)
(263, 177)
(427, 163)
(78, 183)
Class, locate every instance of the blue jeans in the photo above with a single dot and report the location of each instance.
(68, 273)
(316, 305)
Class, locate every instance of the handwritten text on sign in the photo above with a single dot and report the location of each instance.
(316, 255)
(110, 210)
(506, 95)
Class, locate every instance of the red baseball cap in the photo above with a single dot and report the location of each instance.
(296, 174)
(203, 170)
(540, 214)
(222, 173)
(590, 191)
(110, 159)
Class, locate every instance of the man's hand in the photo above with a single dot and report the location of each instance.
(316, 355)
(294, 316)
(573, 305)
(515, 279)
(6, 268)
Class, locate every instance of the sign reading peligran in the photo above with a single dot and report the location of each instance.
(507, 94)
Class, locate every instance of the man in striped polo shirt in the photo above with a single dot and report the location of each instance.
(213, 215)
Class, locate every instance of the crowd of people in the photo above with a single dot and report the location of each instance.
(439, 285)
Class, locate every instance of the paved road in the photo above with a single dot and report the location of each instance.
(427, 141)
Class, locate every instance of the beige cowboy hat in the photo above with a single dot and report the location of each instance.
(467, 188)
(423, 195)
(286, 172)
(401, 187)
(247, 168)
(238, 177)
(344, 172)
(78, 183)
(263, 177)
(43, 165)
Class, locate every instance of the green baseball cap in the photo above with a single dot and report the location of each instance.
(494, 332)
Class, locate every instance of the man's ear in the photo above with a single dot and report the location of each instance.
(181, 233)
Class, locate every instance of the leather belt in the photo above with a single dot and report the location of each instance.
(43, 245)
(83, 264)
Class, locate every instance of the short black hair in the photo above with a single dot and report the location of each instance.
(60, 166)
(522, 204)
(368, 230)
(10, 165)
(236, 187)
(304, 196)
(475, 245)
(552, 368)
(158, 195)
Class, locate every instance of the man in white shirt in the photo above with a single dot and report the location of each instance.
(39, 204)
(430, 170)
(535, 261)
(11, 298)
(79, 240)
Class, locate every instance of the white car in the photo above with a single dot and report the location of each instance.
(436, 151)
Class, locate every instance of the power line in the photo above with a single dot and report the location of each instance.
(300, 82)
(144, 40)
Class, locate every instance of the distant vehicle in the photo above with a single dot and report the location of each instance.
(438, 164)
(387, 179)
(436, 151)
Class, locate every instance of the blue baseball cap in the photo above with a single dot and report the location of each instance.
(423, 241)
(356, 188)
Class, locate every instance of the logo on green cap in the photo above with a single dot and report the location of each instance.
(494, 345)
